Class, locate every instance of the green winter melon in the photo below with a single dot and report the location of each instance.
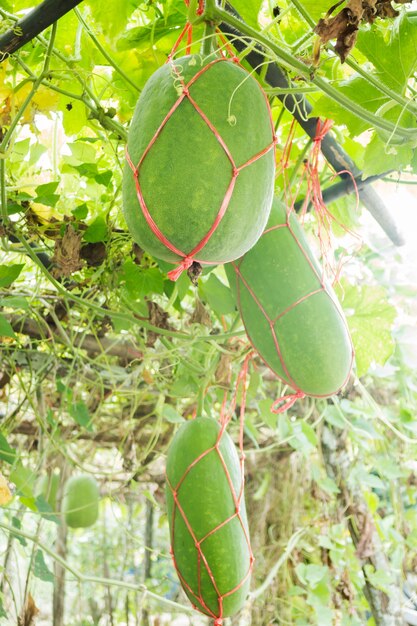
(292, 318)
(186, 172)
(205, 497)
(80, 501)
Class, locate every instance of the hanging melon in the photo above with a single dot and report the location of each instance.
(207, 518)
(291, 315)
(200, 156)
(80, 501)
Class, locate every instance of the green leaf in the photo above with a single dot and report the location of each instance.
(111, 16)
(379, 578)
(360, 91)
(328, 485)
(9, 273)
(6, 329)
(248, 10)
(3, 612)
(79, 412)
(46, 510)
(7, 453)
(171, 415)
(380, 157)
(16, 523)
(15, 302)
(46, 194)
(24, 479)
(104, 178)
(303, 438)
(141, 34)
(311, 574)
(394, 57)
(97, 231)
(370, 318)
(333, 417)
(217, 295)
(266, 414)
(41, 570)
(80, 212)
(140, 281)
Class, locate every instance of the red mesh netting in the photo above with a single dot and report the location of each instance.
(190, 256)
(202, 562)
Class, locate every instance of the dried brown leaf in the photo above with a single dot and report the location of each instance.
(157, 317)
(67, 253)
(223, 375)
(200, 314)
(345, 25)
(28, 613)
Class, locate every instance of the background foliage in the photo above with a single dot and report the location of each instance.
(102, 356)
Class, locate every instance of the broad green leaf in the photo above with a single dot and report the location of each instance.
(46, 194)
(133, 37)
(266, 414)
(3, 612)
(20, 150)
(379, 578)
(370, 319)
(361, 92)
(315, 8)
(6, 329)
(380, 158)
(41, 569)
(328, 485)
(140, 281)
(111, 16)
(171, 415)
(248, 10)
(303, 438)
(7, 453)
(333, 416)
(81, 211)
(16, 523)
(46, 510)
(311, 574)
(394, 56)
(79, 412)
(24, 479)
(97, 231)
(74, 114)
(9, 273)
(15, 302)
(217, 295)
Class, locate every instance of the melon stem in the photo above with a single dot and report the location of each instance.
(207, 46)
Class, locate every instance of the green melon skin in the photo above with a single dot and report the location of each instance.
(313, 336)
(80, 501)
(48, 487)
(185, 175)
(205, 496)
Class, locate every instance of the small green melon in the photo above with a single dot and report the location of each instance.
(80, 501)
(186, 173)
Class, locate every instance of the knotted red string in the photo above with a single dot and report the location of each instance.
(184, 265)
(288, 400)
